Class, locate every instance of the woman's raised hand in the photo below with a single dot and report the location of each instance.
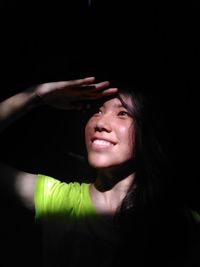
(71, 94)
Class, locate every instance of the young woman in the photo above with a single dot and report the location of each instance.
(129, 212)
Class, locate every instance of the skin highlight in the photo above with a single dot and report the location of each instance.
(110, 142)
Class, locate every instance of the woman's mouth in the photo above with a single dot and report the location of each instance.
(101, 143)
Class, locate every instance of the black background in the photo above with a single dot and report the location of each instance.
(157, 47)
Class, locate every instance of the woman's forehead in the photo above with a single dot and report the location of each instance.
(117, 99)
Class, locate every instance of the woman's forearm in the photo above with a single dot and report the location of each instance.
(16, 106)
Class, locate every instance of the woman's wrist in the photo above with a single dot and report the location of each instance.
(34, 99)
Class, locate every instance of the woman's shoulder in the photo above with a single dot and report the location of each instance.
(52, 195)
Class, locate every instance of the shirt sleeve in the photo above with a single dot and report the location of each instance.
(54, 198)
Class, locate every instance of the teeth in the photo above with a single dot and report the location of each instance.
(102, 142)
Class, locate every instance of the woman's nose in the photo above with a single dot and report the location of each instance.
(104, 124)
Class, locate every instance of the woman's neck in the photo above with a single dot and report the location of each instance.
(109, 190)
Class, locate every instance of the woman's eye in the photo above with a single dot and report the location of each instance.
(123, 113)
(97, 111)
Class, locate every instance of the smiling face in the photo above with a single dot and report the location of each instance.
(110, 134)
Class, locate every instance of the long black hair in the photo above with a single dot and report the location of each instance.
(150, 161)
(153, 223)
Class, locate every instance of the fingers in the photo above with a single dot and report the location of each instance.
(74, 83)
(110, 91)
(73, 91)
(87, 86)
(84, 81)
(90, 88)
(94, 95)
(99, 94)
(101, 85)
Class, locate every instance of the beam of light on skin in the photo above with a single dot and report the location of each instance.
(15, 106)
(17, 102)
(24, 186)
(65, 202)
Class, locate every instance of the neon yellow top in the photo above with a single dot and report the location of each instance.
(69, 199)
(74, 234)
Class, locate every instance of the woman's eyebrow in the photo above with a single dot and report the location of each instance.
(119, 106)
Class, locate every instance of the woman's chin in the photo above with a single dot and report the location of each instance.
(100, 165)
